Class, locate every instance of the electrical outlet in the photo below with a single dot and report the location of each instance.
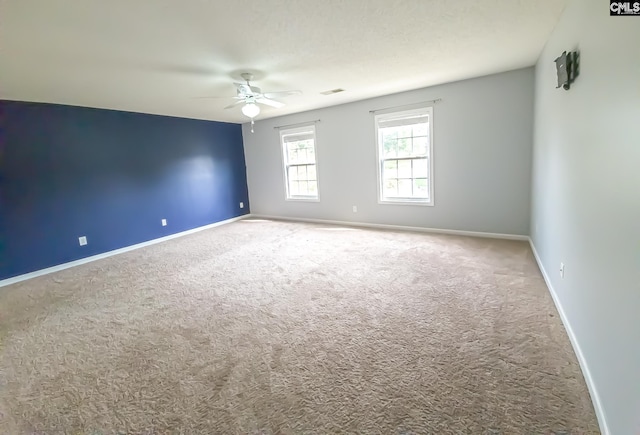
(355, 209)
(164, 222)
(561, 270)
(242, 205)
(82, 240)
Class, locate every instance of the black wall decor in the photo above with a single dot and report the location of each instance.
(567, 67)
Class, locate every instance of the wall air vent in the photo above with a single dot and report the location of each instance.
(332, 91)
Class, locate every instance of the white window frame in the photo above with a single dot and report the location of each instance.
(427, 110)
(285, 163)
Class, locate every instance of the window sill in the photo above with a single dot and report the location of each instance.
(406, 202)
(302, 199)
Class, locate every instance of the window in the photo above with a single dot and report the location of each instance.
(300, 169)
(405, 164)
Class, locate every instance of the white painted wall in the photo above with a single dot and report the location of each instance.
(586, 200)
(482, 157)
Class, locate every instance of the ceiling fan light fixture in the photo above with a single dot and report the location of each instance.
(251, 110)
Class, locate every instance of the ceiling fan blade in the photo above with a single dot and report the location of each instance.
(268, 102)
(281, 94)
(231, 106)
(246, 89)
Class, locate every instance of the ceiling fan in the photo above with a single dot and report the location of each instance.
(251, 96)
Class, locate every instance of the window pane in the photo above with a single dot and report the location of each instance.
(421, 129)
(420, 146)
(302, 155)
(389, 133)
(404, 147)
(404, 131)
(390, 169)
(294, 188)
(390, 188)
(302, 173)
(389, 147)
(313, 188)
(404, 169)
(293, 155)
(293, 173)
(420, 188)
(405, 188)
(304, 188)
(311, 172)
(420, 168)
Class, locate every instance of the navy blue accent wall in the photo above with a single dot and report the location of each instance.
(112, 176)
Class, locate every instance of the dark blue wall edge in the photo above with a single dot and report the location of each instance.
(85, 260)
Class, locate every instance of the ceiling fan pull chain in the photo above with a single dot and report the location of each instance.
(252, 125)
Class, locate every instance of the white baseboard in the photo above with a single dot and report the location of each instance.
(74, 263)
(395, 227)
(597, 404)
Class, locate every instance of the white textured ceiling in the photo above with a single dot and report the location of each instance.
(155, 56)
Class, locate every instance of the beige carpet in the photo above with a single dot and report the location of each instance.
(261, 327)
